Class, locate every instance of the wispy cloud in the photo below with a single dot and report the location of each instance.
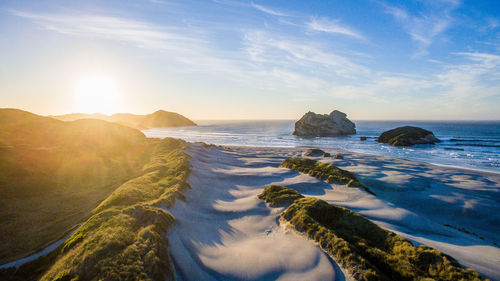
(288, 62)
(138, 33)
(333, 26)
(266, 48)
(493, 23)
(158, 1)
(424, 27)
(269, 11)
(481, 71)
(457, 91)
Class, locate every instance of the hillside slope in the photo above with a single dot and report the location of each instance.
(159, 118)
(53, 173)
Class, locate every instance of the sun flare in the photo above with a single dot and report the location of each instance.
(96, 94)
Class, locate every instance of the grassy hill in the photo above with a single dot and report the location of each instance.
(54, 173)
(159, 118)
(125, 237)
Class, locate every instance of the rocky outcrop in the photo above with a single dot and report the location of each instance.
(314, 152)
(324, 125)
(407, 136)
(338, 156)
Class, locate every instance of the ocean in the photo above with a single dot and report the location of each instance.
(466, 144)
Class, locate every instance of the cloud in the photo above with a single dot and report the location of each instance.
(290, 64)
(137, 33)
(423, 27)
(470, 89)
(332, 26)
(269, 10)
(263, 47)
(158, 1)
(493, 23)
(477, 78)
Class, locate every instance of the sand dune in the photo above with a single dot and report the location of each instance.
(225, 232)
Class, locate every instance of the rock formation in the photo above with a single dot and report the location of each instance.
(407, 136)
(324, 125)
(338, 156)
(314, 152)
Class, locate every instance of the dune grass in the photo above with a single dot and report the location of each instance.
(322, 171)
(117, 244)
(163, 181)
(54, 173)
(278, 196)
(367, 251)
(125, 238)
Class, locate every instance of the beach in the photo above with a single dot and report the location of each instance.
(454, 210)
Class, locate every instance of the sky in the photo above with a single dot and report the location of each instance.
(227, 59)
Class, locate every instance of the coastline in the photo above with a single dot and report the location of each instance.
(337, 150)
(408, 203)
(453, 210)
(468, 145)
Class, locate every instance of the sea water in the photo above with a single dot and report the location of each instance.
(466, 144)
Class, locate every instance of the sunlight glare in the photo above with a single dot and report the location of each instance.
(96, 94)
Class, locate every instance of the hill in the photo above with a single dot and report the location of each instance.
(159, 118)
(124, 239)
(53, 173)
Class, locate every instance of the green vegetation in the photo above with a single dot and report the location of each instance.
(117, 244)
(54, 173)
(322, 171)
(367, 251)
(159, 118)
(279, 196)
(123, 238)
(163, 181)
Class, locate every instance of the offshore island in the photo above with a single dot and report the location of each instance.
(90, 197)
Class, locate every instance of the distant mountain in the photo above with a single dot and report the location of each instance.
(159, 118)
(53, 173)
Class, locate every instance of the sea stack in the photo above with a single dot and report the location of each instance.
(324, 125)
(407, 136)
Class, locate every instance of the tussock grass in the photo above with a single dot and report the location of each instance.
(117, 244)
(278, 195)
(54, 173)
(367, 251)
(322, 171)
(163, 181)
(125, 238)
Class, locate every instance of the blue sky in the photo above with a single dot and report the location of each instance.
(226, 59)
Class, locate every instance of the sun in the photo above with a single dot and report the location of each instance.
(96, 94)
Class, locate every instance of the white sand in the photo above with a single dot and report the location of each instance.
(225, 232)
